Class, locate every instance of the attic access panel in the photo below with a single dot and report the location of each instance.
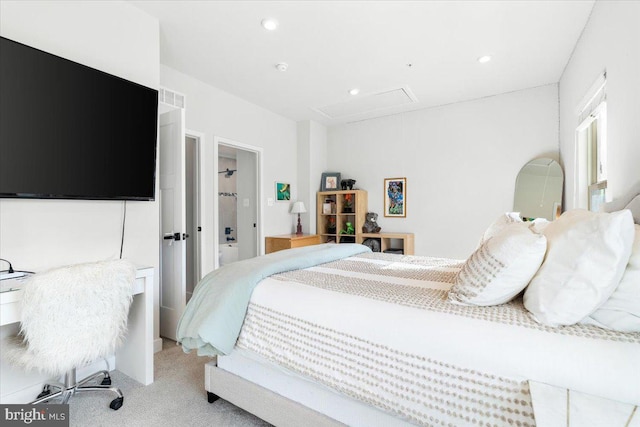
(369, 103)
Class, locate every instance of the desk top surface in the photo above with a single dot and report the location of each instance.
(8, 284)
(11, 289)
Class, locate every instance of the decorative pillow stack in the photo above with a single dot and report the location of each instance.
(621, 311)
(586, 258)
(508, 257)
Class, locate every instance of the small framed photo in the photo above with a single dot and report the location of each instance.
(283, 192)
(330, 181)
(395, 197)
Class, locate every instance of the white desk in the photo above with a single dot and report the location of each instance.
(134, 358)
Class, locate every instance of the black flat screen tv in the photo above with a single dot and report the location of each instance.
(68, 131)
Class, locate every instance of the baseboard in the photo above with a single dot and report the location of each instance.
(157, 345)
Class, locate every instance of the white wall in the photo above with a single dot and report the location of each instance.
(312, 161)
(216, 113)
(611, 42)
(460, 161)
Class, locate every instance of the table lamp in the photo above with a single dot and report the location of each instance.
(298, 207)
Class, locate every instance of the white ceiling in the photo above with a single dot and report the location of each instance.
(334, 46)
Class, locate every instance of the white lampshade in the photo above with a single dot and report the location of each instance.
(298, 207)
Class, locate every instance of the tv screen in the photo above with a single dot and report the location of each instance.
(68, 131)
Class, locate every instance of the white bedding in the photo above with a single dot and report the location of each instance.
(382, 332)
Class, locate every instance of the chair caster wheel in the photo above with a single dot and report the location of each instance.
(116, 403)
(106, 381)
(44, 393)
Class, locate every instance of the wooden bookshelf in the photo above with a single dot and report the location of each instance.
(345, 206)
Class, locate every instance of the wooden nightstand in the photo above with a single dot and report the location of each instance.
(288, 241)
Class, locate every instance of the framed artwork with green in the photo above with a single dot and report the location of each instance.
(283, 192)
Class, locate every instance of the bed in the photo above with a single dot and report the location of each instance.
(370, 339)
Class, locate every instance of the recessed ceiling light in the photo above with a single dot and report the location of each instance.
(269, 24)
(484, 59)
(354, 91)
(282, 66)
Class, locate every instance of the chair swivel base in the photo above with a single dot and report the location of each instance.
(71, 386)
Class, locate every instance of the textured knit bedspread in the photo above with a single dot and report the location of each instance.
(378, 328)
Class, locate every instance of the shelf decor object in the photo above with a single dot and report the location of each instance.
(331, 224)
(298, 208)
(330, 181)
(395, 197)
(348, 203)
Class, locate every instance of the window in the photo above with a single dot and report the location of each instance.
(590, 189)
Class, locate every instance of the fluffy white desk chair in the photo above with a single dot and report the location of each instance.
(72, 316)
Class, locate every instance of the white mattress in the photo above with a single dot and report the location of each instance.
(382, 332)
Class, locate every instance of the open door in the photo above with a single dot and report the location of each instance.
(173, 221)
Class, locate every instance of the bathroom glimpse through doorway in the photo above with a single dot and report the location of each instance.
(238, 208)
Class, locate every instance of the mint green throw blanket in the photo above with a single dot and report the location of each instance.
(213, 317)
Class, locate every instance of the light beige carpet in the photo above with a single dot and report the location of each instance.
(176, 398)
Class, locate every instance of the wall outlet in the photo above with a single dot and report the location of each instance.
(245, 203)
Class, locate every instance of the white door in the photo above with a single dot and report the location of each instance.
(173, 221)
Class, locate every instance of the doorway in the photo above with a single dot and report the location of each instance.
(238, 183)
(193, 142)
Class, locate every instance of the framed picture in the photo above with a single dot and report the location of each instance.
(283, 192)
(330, 181)
(395, 197)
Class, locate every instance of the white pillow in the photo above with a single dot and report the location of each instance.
(538, 225)
(634, 206)
(586, 257)
(497, 225)
(621, 311)
(500, 268)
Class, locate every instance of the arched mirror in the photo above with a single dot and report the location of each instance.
(539, 189)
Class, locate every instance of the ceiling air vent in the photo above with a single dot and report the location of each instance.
(365, 104)
(170, 97)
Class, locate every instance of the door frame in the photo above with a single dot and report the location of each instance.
(200, 202)
(259, 152)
